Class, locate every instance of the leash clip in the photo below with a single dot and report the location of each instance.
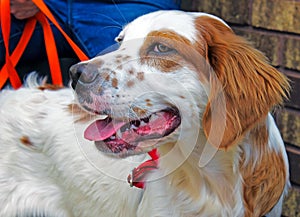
(130, 178)
(137, 178)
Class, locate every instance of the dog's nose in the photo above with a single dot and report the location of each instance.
(82, 73)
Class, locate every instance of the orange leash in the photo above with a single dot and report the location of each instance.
(50, 49)
(43, 7)
(138, 175)
(8, 71)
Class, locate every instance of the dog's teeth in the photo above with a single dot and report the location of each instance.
(112, 137)
(133, 127)
(143, 123)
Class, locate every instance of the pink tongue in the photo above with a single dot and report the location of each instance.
(102, 129)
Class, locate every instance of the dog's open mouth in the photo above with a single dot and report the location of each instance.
(122, 136)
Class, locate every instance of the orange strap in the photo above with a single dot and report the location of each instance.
(50, 49)
(43, 7)
(8, 70)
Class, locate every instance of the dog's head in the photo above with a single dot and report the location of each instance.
(174, 72)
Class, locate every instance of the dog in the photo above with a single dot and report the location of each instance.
(181, 84)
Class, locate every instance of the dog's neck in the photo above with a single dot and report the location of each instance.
(215, 178)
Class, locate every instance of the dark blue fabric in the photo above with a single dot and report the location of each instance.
(92, 24)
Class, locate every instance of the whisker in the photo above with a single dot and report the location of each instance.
(116, 22)
(126, 21)
(118, 27)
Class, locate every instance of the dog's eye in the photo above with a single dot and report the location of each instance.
(119, 39)
(161, 48)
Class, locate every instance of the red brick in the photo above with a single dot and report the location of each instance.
(292, 53)
(289, 125)
(291, 204)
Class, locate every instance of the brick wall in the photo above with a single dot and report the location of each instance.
(273, 26)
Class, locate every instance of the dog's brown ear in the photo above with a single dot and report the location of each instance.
(250, 86)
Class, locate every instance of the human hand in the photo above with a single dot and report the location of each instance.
(23, 9)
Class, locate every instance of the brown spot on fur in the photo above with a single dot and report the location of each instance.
(114, 82)
(140, 76)
(118, 61)
(131, 71)
(99, 90)
(140, 112)
(120, 67)
(126, 58)
(264, 175)
(130, 83)
(26, 141)
(105, 76)
(50, 87)
(122, 58)
(148, 102)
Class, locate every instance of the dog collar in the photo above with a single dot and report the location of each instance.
(138, 175)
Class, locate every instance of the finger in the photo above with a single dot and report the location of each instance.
(22, 6)
(19, 1)
(25, 14)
